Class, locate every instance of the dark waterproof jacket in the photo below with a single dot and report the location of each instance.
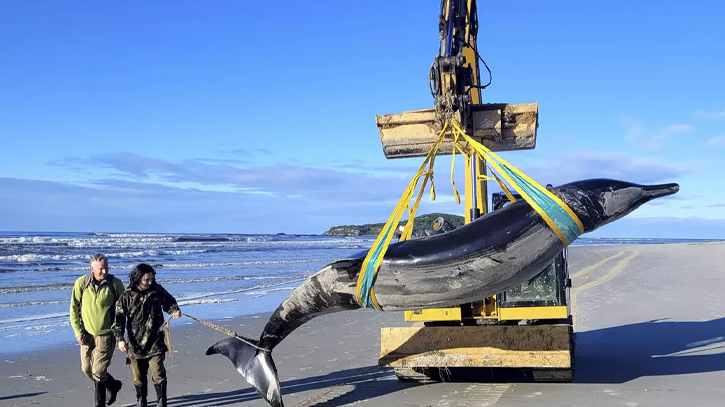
(142, 315)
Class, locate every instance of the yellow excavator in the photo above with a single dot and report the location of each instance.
(527, 327)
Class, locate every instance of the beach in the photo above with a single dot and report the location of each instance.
(648, 317)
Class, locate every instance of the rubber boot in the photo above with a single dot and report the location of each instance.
(113, 386)
(160, 394)
(141, 393)
(100, 394)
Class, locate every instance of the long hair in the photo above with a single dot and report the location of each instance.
(138, 272)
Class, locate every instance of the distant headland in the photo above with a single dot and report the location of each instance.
(422, 226)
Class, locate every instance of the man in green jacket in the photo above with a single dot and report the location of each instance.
(92, 309)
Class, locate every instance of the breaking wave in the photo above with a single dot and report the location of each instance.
(207, 301)
(192, 265)
(68, 286)
(34, 318)
(31, 303)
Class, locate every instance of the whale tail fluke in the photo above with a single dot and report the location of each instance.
(256, 366)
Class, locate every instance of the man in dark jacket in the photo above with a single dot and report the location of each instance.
(140, 311)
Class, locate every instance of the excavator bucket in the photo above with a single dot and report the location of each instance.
(498, 126)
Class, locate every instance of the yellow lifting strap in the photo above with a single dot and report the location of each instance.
(556, 213)
(365, 295)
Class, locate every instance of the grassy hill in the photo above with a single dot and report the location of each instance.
(423, 226)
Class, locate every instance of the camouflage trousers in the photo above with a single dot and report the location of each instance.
(140, 368)
(96, 356)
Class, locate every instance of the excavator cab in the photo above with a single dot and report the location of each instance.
(550, 288)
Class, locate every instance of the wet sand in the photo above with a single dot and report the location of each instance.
(650, 332)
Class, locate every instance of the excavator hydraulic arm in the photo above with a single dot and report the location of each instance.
(454, 75)
(455, 85)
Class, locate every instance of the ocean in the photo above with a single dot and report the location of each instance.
(212, 276)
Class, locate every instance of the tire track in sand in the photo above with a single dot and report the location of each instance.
(585, 272)
(614, 272)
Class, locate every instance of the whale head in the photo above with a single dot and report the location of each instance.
(598, 202)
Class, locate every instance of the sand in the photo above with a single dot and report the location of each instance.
(650, 332)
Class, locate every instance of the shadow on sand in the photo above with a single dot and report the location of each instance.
(611, 355)
(19, 396)
(654, 348)
(345, 386)
(624, 353)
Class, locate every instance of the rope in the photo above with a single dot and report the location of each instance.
(212, 326)
(172, 357)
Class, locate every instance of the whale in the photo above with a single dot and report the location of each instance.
(490, 254)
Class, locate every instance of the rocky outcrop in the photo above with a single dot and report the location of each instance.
(422, 226)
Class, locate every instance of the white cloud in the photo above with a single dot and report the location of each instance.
(114, 205)
(711, 114)
(583, 164)
(49, 206)
(638, 135)
(156, 194)
(311, 182)
(717, 142)
(673, 130)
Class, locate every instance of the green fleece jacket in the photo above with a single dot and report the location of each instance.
(92, 306)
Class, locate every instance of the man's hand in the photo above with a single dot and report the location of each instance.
(122, 346)
(176, 314)
(81, 339)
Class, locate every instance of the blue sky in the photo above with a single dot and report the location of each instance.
(238, 117)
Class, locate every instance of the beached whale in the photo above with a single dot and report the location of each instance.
(489, 255)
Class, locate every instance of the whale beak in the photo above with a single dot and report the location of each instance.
(661, 190)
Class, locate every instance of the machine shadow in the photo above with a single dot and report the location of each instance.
(345, 387)
(624, 353)
(653, 348)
